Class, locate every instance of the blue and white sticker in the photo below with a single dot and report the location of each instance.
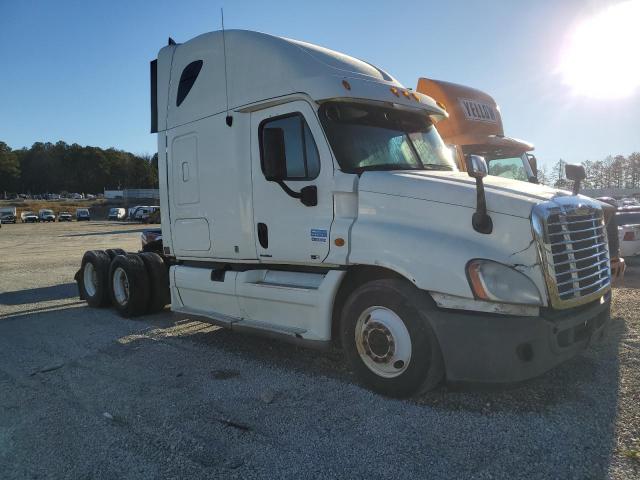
(318, 235)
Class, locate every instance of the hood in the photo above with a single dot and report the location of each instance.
(506, 196)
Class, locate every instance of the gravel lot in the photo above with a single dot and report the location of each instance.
(86, 394)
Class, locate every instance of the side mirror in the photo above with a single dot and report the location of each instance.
(533, 163)
(309, 196)
(273, 154)
(575, 173)
(476, 166)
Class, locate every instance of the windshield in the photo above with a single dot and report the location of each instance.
(366, 137)
(47, 212)
(515, 167)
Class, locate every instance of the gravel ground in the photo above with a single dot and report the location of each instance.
(86, 394)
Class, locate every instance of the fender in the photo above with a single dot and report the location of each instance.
(441, 241)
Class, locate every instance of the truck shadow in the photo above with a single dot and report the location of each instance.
(110, 232)
(37, 295)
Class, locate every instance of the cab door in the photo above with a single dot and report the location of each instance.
(288, 230)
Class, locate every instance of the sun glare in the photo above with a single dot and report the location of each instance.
(601, 58)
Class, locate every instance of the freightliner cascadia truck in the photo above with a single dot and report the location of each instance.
(307, 195)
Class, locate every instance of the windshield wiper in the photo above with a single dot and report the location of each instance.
(435, 166)
(383, 167)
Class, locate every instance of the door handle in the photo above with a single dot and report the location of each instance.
(263, 235)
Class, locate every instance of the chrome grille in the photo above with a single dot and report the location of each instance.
(575, 254)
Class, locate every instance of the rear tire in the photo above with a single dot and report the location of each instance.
(129, 285)
(387, 338)
(159, 295)
(93, 278)
(113, 252)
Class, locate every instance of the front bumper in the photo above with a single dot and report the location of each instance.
(492, 348)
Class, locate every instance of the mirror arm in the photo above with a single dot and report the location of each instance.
(576, 187)
(481, 221)
(308, 195)
(287, 190)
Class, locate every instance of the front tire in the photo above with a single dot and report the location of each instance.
(129, 284)
(387, 338)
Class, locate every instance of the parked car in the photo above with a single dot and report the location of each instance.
(8, 214)
(628, 202)
(142, 214)
(82, 214)
(131, 211)
(65, 217)
(629, 233)
(46, 215)
(28, 217)
(116, 213)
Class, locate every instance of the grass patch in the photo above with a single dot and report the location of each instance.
(632, 454)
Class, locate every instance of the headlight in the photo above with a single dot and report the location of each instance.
(496, 282)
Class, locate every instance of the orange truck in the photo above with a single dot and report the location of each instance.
(474, 127)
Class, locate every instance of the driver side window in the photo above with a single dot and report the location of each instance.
(300, 150)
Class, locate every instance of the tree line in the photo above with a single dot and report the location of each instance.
(617, 171)
(61, 167)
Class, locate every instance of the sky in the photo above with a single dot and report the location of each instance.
(78, 71)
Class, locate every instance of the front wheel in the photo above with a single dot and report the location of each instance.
(387, 339)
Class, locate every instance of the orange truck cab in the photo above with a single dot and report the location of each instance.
(474, 127)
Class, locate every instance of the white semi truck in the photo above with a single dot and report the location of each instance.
(306, 194)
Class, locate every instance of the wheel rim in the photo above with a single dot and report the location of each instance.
(90, 279)
(383, 342)
(120, 286)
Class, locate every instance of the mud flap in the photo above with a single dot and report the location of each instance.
(77, 278)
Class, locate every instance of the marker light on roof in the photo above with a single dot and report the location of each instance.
(441, 105)
(415, 97)
(405, 93)
(394, 90)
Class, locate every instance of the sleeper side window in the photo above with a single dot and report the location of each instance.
(300, 150)
(187, 79)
